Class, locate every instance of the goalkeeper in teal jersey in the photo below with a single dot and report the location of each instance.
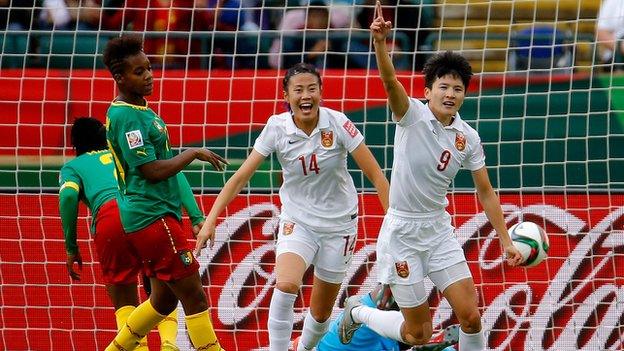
(90, 178)
(366, 339)
(149, 202)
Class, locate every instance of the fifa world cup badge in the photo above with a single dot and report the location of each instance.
(187, 257)
(327, 138)
(402, 269)
(460, 141)
(288, 228)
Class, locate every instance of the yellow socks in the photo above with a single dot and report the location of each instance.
(201, 332)
(137, 325)
(168, 330)
(121, 316)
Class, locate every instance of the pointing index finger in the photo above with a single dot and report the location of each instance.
(378, 11)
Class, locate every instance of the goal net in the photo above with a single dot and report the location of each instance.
(547, 101)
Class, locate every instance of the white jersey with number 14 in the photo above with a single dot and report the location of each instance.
(317, 191)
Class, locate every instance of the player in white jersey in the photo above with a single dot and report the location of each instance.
(416, 239)
(318, 220)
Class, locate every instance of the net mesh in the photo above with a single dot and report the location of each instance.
(546, 100)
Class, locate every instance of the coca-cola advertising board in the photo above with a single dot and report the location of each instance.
(571, 301)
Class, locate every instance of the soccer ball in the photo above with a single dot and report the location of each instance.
(532, 242)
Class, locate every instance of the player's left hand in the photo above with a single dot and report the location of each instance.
(514, 257)
(77, 258)
(214, 159)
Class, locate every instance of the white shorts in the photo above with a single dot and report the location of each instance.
(330, 253)
(409, 249)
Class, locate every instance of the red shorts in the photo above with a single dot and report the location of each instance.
(164, 249)
(119, 261)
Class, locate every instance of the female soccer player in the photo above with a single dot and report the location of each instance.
(416, 238)
(90, 178)
(318, 222)
(365, 339)
(149, 201)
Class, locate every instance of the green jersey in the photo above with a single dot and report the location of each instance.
(90, 178)
(136, 136)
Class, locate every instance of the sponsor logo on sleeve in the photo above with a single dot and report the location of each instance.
(350, 128)
(134, 138)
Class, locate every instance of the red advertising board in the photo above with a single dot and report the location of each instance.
(571, 301)
(197, 105)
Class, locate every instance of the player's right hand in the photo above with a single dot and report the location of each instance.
(215, 160)
(205, 235)
(77, 258)
(380, 28)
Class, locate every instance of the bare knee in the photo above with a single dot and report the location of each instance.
(287, 287)
(123, 295)
(471, 322)
(194, 301)
(163, 303)
(320, 316)
(191, 294)
(417, 334)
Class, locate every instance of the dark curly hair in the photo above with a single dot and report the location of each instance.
(300, 68)
(88, 134)
(118, 49)
(444, 63)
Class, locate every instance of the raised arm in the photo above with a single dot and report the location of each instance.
(369, 166)
(397, 96)
(231, 188)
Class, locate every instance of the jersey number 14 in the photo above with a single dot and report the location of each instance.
(313, 167)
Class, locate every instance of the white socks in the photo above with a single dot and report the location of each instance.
(312, 332)
(384, 323)
(471, 342)
(281, 317)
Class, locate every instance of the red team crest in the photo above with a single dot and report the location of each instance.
(288, 228)
(327, 138)
(402, 269)
(460, 141)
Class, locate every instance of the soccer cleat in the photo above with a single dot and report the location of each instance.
(347, 325)
(447, 337)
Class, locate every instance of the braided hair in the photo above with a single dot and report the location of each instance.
(118, 49)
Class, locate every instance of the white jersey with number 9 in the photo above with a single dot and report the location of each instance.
(427, 156)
